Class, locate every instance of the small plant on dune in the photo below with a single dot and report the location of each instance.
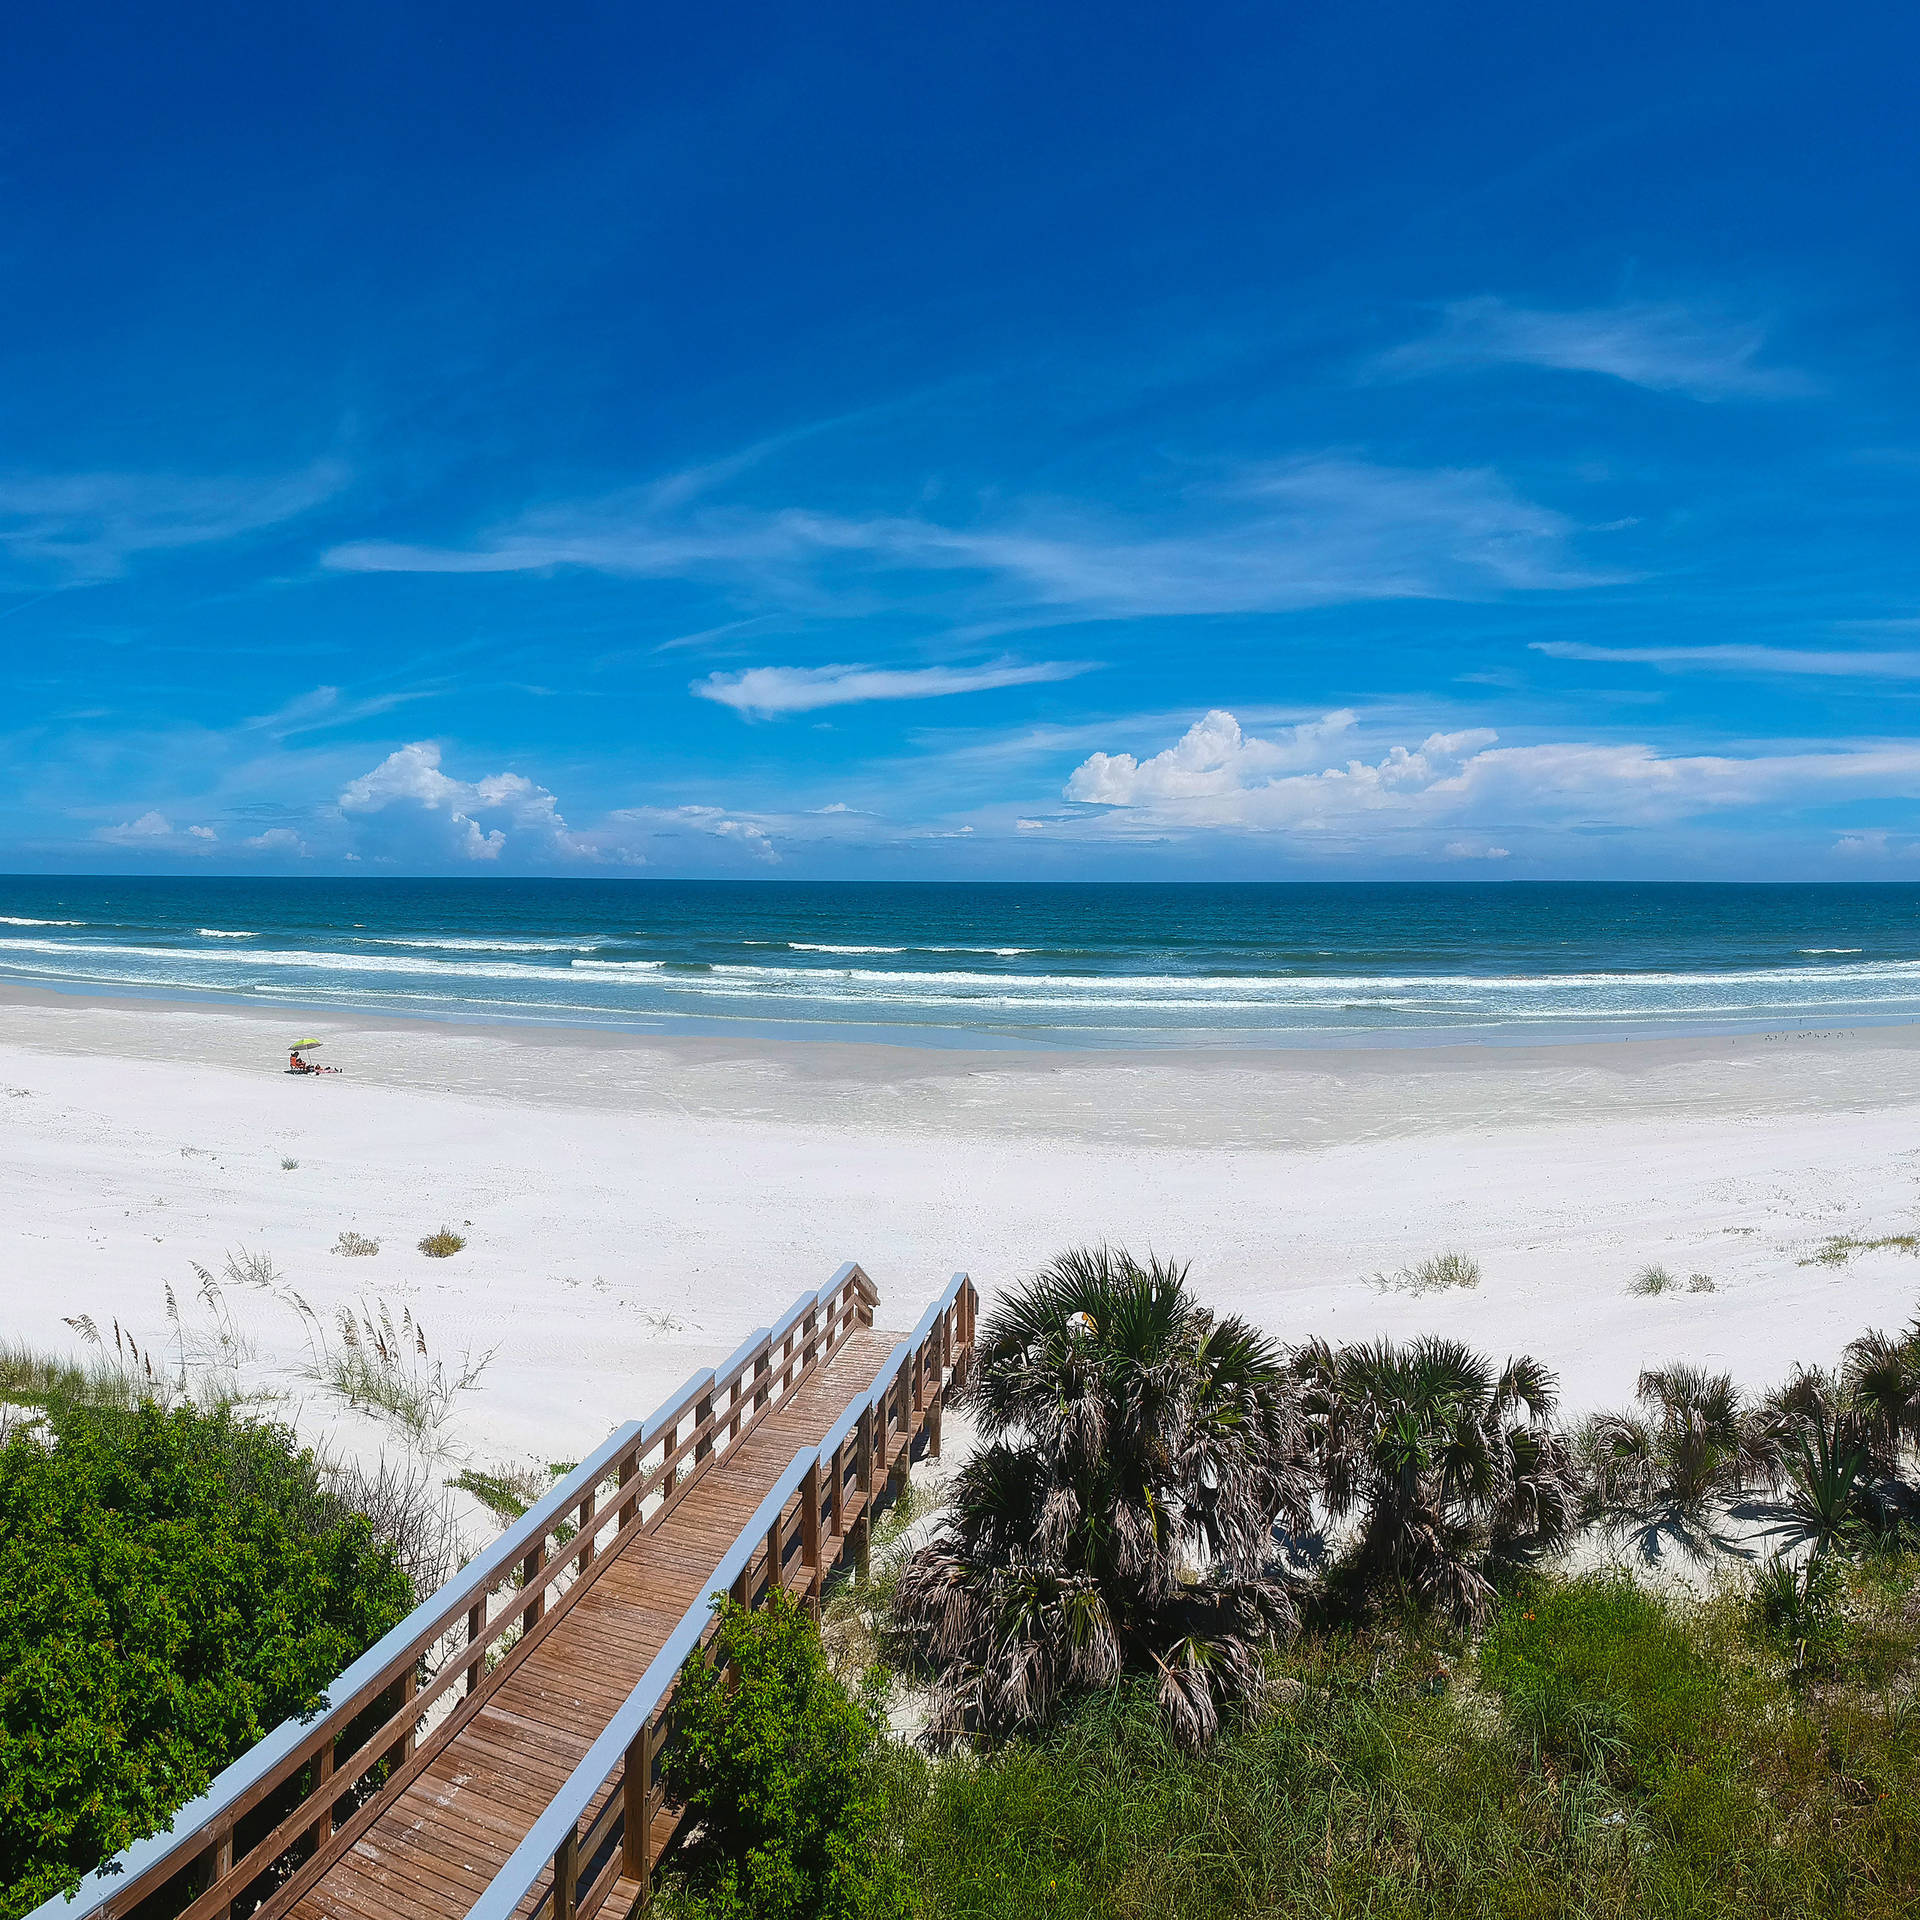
(386, 1366)
(1652, 1280)
(442, 1245)
(124, 1378)
(1130, 1437)
(1451, 1469)
(1433, 1275)
(506, 1492)
(1701, 1283)
(358, 1246)
(288, 1163)
(246, 1269)
(1839, 1248)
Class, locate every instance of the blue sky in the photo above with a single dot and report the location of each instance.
(995, 442)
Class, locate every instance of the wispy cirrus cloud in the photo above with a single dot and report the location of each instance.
(1668, 348)
(1732, 657)
(1315, 530)
(75, 529)
(766, 691)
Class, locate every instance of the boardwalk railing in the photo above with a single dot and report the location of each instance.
(598, 1833)
(272, 1822)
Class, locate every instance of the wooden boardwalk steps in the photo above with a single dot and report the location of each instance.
(498, 1753)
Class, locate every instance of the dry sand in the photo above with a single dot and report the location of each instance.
(633, 1207)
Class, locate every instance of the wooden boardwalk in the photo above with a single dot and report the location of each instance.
(498, 1754)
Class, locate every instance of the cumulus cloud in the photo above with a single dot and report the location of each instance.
(155, 833)
(1317, 530)
(1732, 657)
(765, 691)
(1667, 348)
(1216, 778)
(74, 529)
(278, 840)
(409, 799)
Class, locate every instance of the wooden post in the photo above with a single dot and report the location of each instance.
(933, 1424)
(322, 1774)
(220, 1865)
(810, 1532)
(566, 1874)
(476, 1628)
(637, 1838)
(628, 1508)
(863, 1479)
(587, 1509)
(529, 1572)
(774, 1556)
(762, 1383)
(408, 1688)
(917, 1374)
(837, 1493)
(702, 1417)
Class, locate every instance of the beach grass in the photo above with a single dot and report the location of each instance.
(1436, 1274)
(1839, 1248)
(1651, 1280)
(443, 1244)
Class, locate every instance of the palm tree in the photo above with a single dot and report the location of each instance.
(1698, 1440)
(1450, 1468)
(1880, 1383)
(1120, 1517)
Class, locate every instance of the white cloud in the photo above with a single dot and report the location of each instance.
(155, 833)
(764, 691)
(410, 799)
(715, 822)
(1736, 658)
(1211, 758)
(1218, 779)
(278, 840)
(74, 529)
(1664, 347)
(1319, 530)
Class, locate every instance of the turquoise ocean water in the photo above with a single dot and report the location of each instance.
(1026, 965)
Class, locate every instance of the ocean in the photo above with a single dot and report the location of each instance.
(997, 965)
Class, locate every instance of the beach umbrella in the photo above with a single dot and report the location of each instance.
(301, 1046)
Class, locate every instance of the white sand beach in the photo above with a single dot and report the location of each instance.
(634, 1206)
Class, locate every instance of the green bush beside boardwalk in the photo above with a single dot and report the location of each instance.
(176, 1583)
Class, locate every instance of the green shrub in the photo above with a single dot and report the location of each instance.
(443, 1244)
(1799, 1609)
(177, 1584)
(778, 1763)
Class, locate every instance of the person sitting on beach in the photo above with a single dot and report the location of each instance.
(295, 1064)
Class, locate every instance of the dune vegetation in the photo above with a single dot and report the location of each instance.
(1209, 1627)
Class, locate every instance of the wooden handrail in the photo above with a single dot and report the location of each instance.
(555, 1849)
(560, 1542)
